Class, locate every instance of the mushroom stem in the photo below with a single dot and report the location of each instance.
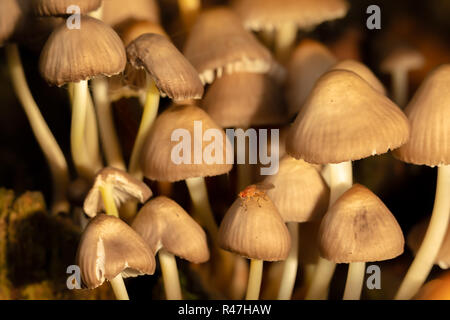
(355, 279)
(340, 180)
(148, 117)
(284, 40)
(49, 146)
(429, 249)
(254, 279)
(189, 10)
(108, 200)
(400, 87)
(290, 265)
(118, 286)
(170, 275)
(91, 136)
(108, 135)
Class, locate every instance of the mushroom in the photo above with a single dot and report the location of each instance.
(115, 12)
(437, 289)
(113, 187)
(398, 63)
(74, 56)
(300, 195)
(344, 119)
(428, 112)
(359, 228)
(109, 249)
(253, 228)
(170, 231)
(59, 7)
(168, 73)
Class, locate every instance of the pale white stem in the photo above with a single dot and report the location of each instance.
(285, 40)
(400, 87)
(118, 286)
(290, 265)
(355, 280)
(91, 135)
(254, 280)
(431, 244)
(170, 275)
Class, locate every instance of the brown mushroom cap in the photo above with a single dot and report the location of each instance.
(243, 100)
(116, 12)
(72, 55)
(300, 193)
(218, 44)
(125, 187)
(305, 14)
(253, 228)
(308, 62)
(402, 58)
(172, 73)
(12, 13)
(429, 114)
(163, 224)
(157, 162)
(346, 119)
(360, 228)
(109, 247)
(59, 7)
(132, 29)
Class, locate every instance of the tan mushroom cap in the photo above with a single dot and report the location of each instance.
(125, 187)
(72, 55)
(116, 12)
(132, 29)
(11, 15)
(362, 71)
(173, 74)
(163, 224)
(157, 162)
(300, 193)
(402, 58)
(429, 114)
(346, 119)
(305, 14)
(253, 228)
(109, 247)
(415, 237)
(243, 100)
(360, 228)
(309, 60)
(59, 7)
(218, 44)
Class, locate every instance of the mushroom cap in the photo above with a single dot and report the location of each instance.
(304, 14)
(253, 228)
(109, 247)
(157, 162)
(429, 114)
(300, 193)
(163, 224)
(59, 7)
(346, 119)
(243, 100)
(308, 62)
(359, 228)
(172, 73)
(218, 44)
(125, 187)
(116, 12)
(11, 16)
(132, 29)
(72, 55)
(362, 71)
(402, 58)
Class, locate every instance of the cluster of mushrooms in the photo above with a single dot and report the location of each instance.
(240, 67)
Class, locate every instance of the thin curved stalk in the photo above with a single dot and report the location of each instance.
(355, 279)
(254, 279)
(170, 275)
(91, 135)
(118, 286)
(290, 265)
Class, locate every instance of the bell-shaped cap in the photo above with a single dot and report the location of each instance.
(346, 119)
(183, 143)
(163, 224)
(308, 62)
(59, 7)
(109, 247)
(360, 228)
(125, 187)
(12, 13)
(243, 100)
(218, 44)
(116, 12)
(429, 114)
(253, 227)
(173, 74)
(72, 55)
(300, 193)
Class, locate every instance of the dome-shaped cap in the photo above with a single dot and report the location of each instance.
(12, 13)
(72, 55)
(172, 73)
(346, 119)
(253, 227)
(116, 12)
(360, 228)
(157, 161)
(300, 193)
(59, 7)
(429, 115)
(163, 224)
(109, 247)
